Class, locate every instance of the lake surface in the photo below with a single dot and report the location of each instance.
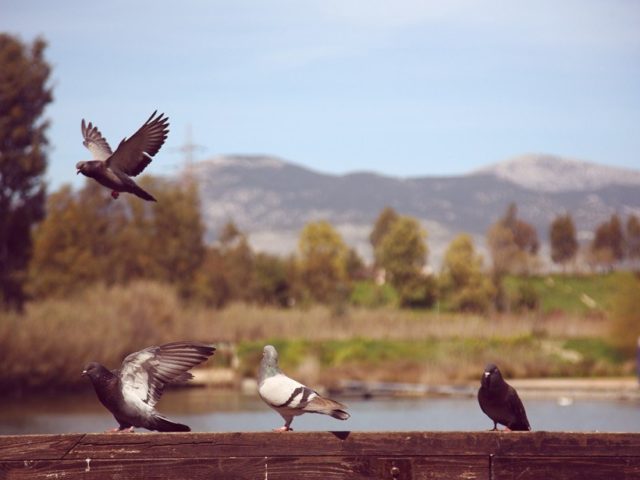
(209, 410)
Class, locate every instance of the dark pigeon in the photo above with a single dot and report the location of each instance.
(288, 397)
(501, 402)
(131, 392)
(115, 169)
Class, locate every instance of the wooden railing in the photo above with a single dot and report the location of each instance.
(322, 455)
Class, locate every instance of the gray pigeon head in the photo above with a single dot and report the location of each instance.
(270, 355)
(89, 168)
(491, 376)
(269, 363)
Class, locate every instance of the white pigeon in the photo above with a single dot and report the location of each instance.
(288, 397)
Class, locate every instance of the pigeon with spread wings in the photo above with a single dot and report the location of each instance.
(115, 169)
(131, 392)
(288, 397)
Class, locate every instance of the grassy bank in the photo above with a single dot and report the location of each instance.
(49, 344)
(440, 360)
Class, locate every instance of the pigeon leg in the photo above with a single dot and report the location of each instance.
(287, 425)
(112, 430)
(115, 194)
(495, 427)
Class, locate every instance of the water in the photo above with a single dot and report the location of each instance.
(209, 410)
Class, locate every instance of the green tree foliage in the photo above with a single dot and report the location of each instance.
(607, 246)
(272, 285)
(211, 285)
(238, 261)
(383, 223)
(465, 287)
(323, 261)
(24, 94)
(356, 269)
(562, 236)
(513, 244)
(632, 236)
(88, 238)
(403, 254)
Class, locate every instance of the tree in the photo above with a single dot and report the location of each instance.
(87, 237)
(177, 233)
(24, 94)
(607, 246)
(403, 254)
(463, 284)
(562, 236)
(75, 244)
(355, 266)
(385, 220)
(271, 284)
(323, 256)
(513, 244)
(211, 286)
(238, 261)
(633, 237)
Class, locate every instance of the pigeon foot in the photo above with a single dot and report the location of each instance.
(283, 429)
(115, 194)
(120, 430)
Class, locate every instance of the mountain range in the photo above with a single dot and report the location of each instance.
(271, 199)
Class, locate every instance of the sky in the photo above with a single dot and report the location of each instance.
(404, 88)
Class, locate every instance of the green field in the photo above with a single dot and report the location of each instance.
(571, 294)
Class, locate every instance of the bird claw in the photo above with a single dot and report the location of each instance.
(121, 430)
(283, 429)
(115, 194)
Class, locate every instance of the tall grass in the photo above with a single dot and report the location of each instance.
(48, 345)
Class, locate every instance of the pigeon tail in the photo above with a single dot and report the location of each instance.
(340, 414)
(161, 424)
(144, 195)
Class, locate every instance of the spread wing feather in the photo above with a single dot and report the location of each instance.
(147, 372)
(94, 141)
(134, 154)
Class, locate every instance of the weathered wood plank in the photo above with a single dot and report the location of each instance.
(279, 468)
(566, 468)
(195, 445)
(27, 447)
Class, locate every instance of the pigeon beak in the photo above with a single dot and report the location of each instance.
(77, 171)
(486, 374)
(84, 372)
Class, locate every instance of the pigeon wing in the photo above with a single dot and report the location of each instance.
(281, 391)
(134, 154)
(517, 408)
(94, 141)
(146, 373)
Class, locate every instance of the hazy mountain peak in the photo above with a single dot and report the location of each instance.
(549, 173)
(244, 161)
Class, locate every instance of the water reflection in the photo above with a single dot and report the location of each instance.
(212, 410)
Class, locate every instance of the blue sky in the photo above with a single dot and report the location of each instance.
(398, 87)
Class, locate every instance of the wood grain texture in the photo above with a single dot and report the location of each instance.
(27, 447)
(566, 468)
(278, 468)
(321, 455)
(195, 445)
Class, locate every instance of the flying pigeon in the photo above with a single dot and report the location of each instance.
(131, 392)
(288, 397)
(501, 402)
(115, 169)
